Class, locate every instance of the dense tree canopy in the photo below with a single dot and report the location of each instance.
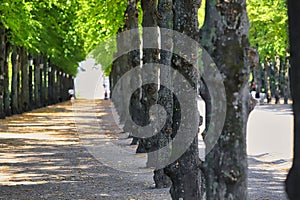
(268, 30)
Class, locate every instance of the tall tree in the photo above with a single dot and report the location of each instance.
(293, 178)
(225, 37)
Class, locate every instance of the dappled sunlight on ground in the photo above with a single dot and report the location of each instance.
(44, 155)
(48, 154)
(29, 145)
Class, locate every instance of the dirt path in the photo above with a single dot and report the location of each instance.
(45, 155)
(41, 157)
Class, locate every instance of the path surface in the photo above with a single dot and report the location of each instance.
(45, 155)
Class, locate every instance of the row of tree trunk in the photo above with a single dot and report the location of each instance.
(272, 78)
(28, 82)
(223, 174)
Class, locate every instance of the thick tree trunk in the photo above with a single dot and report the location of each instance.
(25, 86)
(293, 178)
(134, 62)
(225, 37)
(2, 66)
(120, 65)
(150, 56)
(185, 173)
(130, 22)
(165, 95)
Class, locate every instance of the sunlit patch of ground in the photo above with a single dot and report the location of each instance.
(22, 137)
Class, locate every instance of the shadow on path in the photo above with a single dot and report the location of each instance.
(44, 155)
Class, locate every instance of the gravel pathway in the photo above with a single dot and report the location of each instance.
(45, 155)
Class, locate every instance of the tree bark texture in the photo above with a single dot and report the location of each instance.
(165, 96)
(293, 178)
(150, 56)
(225, 37)
(185, 172)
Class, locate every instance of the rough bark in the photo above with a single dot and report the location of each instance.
(185, 173)
(120, 65)
(165, 98)
(129, 59)
(293, 178)
(134, 62)
(150, 56)
(225, 37)
(2, 63)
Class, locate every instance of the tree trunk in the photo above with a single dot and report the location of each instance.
(185, 173)
(134, 62)
(25, 85)
(286, 82)
(225, 37)
(30, 83)
(293, 178)
(19, 85)
(50, 84)
(268, 77)
(7, 99)
(165, 98)
(15, 59)
(276, 79)
(45, 80)
(150, 56)
(42, 79)
(2, 72)
(37, 82)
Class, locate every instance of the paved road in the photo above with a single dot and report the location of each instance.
(45, 155)
(269, 141)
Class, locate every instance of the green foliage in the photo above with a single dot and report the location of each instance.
(46, 27)
(269, 31)
(104, 53)
(98, 20)
(201, 13)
